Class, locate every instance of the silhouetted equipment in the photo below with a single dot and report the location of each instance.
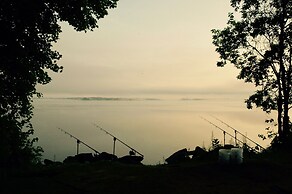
(114, 147)
(183, 155)
(236, 131)
(198, 153)
(178, 157)
(132, 151)
(79, 141)
(80, 158)
(131, 159)
(104, 156)
(224, 132)
(234, 137)
(89, 158)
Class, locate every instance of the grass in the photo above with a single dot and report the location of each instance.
(262, 174)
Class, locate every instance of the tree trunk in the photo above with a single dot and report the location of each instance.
(283, 78)
(286, 119)
(280, 110)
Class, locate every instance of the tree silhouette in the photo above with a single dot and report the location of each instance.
(260, 45)
(27, 30)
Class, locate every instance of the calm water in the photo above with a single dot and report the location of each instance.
(156, 128)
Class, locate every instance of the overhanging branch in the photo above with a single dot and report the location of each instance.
(261, 54)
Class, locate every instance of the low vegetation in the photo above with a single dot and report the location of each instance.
(262, 173)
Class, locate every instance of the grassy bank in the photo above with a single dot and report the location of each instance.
(264, 174)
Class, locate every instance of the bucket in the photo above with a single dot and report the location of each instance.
(236, 156)
(224, 156)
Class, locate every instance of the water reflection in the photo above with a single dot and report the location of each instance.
(155, 127)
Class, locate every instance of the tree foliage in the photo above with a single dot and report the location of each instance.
(28, 28)
(259, 43)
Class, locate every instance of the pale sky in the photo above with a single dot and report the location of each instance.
(147, 48)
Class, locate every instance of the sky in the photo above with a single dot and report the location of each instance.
(147, 48)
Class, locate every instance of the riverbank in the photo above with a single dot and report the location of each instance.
(260, 175)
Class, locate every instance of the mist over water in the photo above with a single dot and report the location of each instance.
(154, 127)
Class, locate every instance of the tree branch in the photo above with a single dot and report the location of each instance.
(271, 63)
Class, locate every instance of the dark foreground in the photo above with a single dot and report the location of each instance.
(254, 176)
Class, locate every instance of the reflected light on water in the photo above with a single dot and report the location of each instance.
(156, 128)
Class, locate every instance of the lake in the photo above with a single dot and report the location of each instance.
(154, 127)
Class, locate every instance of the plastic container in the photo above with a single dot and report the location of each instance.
(224, 156)
(236, 156)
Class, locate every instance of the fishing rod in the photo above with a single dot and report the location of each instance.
(115, 138)
(79, 141)
(225, 132)
(236, 131)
